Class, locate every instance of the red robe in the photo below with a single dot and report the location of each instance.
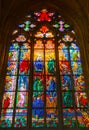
(24, 66)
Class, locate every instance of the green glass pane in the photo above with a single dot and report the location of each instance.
(38, 83)
(75, 55)
(67, 99)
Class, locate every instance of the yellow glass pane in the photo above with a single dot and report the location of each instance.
(38, 55)
(49, 55)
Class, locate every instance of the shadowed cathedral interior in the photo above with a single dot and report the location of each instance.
(44, 64)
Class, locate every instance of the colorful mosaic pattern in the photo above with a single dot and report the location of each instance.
(44, 74)
(16, 86)
(44, 65)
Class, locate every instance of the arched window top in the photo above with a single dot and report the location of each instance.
(39, 19)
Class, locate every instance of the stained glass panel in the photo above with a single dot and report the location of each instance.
(38, 44)
(66, 83)
(12, 68)
(50, 44)
(51, 118)
(44, 81)
(63, 55)
(81, 99)
(79, 84)
(51, 99)
(6, 118)
(69, 119)
(51, 83)
(13, 55)
(67, 99)
(21, 118)
(65, 68)
(10, 83)
(37, 118)
(38, 83)
(21, 38)
(38, 55)
(83, 118)
(23, 83)
(75, 55)
(22, 99)
(8, 100)
(77, 68)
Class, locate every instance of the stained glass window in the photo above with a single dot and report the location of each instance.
(44, 82)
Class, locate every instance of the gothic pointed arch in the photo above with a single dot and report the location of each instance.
(44, 82)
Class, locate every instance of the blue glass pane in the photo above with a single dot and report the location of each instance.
(14, 46)
(37, 118)
(25, 46)
(74, 46)
(38, 101)
(51, 84)
(38, 66)
(66, 83)
(23, 83)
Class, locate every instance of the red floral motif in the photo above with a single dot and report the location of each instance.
(44, 15)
